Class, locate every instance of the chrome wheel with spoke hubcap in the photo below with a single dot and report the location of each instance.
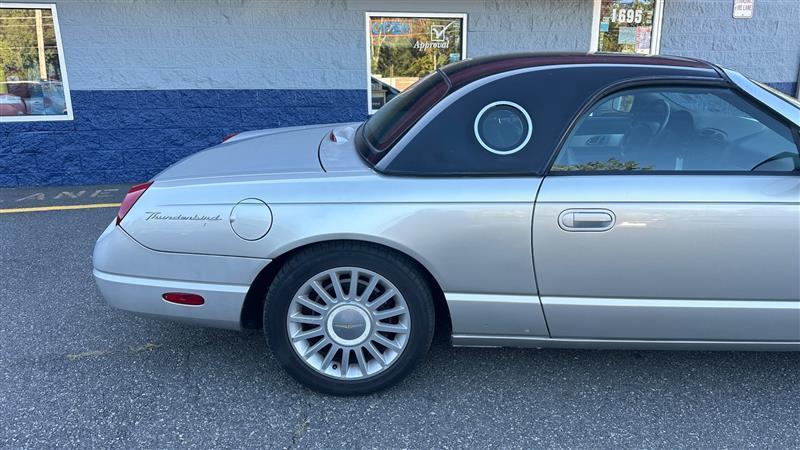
(348, 323)
(349, 318)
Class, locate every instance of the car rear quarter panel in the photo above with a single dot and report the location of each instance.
(472, 234)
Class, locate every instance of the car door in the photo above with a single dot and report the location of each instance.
(685, 228)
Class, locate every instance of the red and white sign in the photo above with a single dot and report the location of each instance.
(743, 9)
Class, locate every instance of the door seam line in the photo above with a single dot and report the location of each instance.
(533, 257)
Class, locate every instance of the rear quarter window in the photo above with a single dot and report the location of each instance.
(395, 118)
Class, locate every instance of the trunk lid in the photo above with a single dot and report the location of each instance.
(266, 152)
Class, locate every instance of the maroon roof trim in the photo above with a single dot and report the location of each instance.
(465, 72)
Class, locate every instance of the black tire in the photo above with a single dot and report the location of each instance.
(393, 266)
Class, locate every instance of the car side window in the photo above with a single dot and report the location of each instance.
(678, 129)
(505, 126)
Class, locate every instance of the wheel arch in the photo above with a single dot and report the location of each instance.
(252, 309)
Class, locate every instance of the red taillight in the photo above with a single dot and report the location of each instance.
(229, 137)
(130, 198)
(183, 298)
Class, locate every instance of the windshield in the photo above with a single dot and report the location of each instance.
(397, 116)
(783, 95)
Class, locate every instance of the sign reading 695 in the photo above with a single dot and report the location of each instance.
(626, 15)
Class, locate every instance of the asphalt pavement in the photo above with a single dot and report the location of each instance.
(76, 373)
(49, 197)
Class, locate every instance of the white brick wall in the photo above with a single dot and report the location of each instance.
(766, 47)
(284, 44)
(156, 44)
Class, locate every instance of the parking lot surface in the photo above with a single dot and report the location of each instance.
(76, 373)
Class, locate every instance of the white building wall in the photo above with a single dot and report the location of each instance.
(272, 44)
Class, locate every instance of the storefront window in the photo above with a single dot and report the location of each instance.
(627, 26)
(402, 48)
(33, 84)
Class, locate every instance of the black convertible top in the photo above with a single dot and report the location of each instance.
(553, 98)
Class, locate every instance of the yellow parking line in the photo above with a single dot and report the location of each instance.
(58, 208)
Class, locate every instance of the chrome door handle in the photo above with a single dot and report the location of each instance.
(586, 220)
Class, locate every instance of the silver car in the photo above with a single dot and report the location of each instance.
(529, 200)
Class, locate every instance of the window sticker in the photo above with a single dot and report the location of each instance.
(626, 26)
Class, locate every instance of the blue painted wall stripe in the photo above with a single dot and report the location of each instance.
(128, 136)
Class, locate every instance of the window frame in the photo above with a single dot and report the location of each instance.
(62, 66)
(668, 82)
(655, 37)
(370, 14)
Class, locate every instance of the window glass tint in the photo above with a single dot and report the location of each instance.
(678, 129)
(403, 111)
(31, 73)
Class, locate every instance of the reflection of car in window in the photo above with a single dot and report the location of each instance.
(32, 98)
(521, 200)
(12, 105)
(382, 92)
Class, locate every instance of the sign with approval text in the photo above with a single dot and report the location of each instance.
(403, 47)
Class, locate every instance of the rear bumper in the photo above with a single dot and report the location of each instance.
(222, 307)
(134, 278)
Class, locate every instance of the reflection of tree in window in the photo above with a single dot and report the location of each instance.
(411, 55)
(612, 164)
(20, 30)
(30, 72)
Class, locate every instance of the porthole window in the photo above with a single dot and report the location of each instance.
(503, 128)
